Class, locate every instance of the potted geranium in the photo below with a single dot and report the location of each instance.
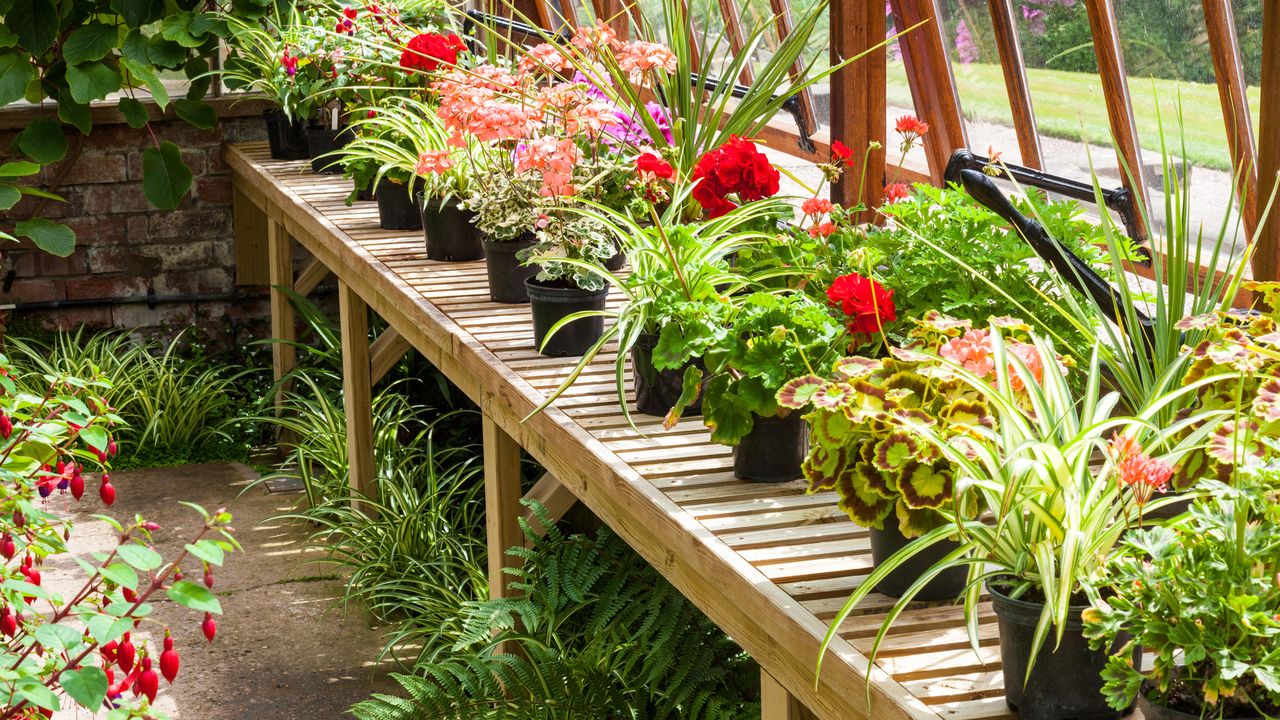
(1042, 494)
(1201, 595)
(766, 340)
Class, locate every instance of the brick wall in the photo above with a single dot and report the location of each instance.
(126, 249)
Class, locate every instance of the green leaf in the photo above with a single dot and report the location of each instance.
(51, 237)
(87, 686)
(37, 694)
(208, 551)
(137, 13)
(105, 628)
(140, 557)
(43, 140)
(97, 438)
(147, 76)
(35, 22)
(177, 27)
(92, 81)
(134, 112)
(197, 112)
(121, 574)
(9, 196)
(20, 168)
(58, 637)
(197, 72)
(797, 393)
(90, 42)
(74, 113)
(194, 597)
(15, 73)
(165, 178)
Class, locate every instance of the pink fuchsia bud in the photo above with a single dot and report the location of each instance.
(112, 448)
(8, 622)
(126, 653)
(109, 651)
(148, 681)
(6, 425)
(209, 627)
(208, 576)
(169, 660)
(19, 519)
(7, 547)
(129, 595)
(107, 492)
(77, 486)
(151, 526)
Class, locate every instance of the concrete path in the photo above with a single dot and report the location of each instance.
(283, 650)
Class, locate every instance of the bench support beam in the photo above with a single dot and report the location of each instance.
(778, 704)
(357, 398)
(553, 496)
(501, 503)
(385, 352)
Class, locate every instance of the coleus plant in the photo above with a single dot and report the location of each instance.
(1244, 349)
(82, 649)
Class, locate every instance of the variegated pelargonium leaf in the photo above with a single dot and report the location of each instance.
(914, 522)
(863, 505)
(1266, 406)
(967, 414)
(823, 466)
(1271, 340)
(876, 480)
(1236, 442)
(924, 485)
(1270, 293)
(868, 400)
(832, 395)
(829, 427)
(854, 367)
(797, 393)
(1197, 322)
(895, 450)
(913, 388)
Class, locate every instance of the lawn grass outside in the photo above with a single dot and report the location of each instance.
(1071, 105)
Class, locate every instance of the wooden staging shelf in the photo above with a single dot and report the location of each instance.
(767, 563)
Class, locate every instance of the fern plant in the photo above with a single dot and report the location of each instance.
(597, 633)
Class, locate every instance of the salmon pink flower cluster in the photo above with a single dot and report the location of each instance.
(974, 352)
(433, 162)
(1137, 470)
(640, 59)
(555, 158)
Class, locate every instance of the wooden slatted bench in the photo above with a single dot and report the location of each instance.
(768, 564)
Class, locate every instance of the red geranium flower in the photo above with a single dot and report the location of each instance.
(894, 192)
(866, 303)
(654, 165)
(428, 51)
(736, 167)
(841, 150)
(910, 125)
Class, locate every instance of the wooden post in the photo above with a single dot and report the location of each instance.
(858, 98)
(1015, 82)
(1228, 68)
(501, 503)
(1266, 260)
(778, 704)
(1115, 88)
(284, 329)
(933, 88)
(356, 392)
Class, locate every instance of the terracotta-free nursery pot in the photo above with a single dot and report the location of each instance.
(397, 210)
(774, 449)
(286, 138)
(889, 540)
(658, 390)
(506, 274)
(320, 142)
(1066, 683)
(450, 234)
(551, 303)
(1155, 711)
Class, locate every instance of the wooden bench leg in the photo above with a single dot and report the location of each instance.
(283, 324)
(356, 391)
(554, 496)
(778, 704)
(501, 503)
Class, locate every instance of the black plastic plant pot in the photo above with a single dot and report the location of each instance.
(365, 192)
(774, 449)
(1155, 711)
(320, 142)
(617, 261)
(658, 390)
(397, 210)
(889, 540)
(550, 304)
(506, 274)
(450, 234)
(1066, 683)
(287, 139)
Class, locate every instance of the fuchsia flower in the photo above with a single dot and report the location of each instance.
(290, 63)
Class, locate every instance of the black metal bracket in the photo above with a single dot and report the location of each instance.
(476, 18)
(1119, 200)
(1073, 270)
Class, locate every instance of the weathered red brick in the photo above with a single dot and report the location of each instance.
(106, 287)
(34, 289)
